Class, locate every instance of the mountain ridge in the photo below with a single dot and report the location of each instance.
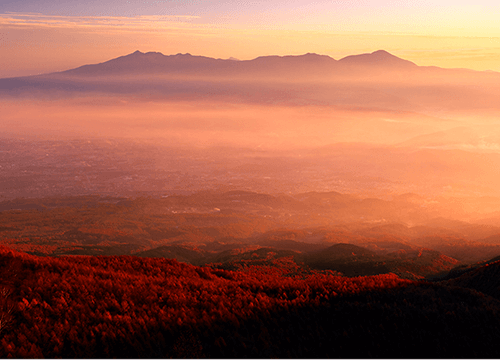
(377, 80)
(155, 62)
(377, 59)
(158, 62)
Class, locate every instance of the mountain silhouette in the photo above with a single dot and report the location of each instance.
(150, 62)
(379, 58)
(376, 80)
(157, 63)
(187, 64)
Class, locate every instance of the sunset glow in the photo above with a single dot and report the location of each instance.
(42, 36)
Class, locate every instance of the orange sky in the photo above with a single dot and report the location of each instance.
(442, 33)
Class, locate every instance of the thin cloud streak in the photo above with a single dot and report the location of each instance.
(123, 23)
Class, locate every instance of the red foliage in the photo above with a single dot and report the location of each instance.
(85, 306)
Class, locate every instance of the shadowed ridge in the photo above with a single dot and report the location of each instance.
(483, 277)
(377, 58)
(346, 251)
(150, 62)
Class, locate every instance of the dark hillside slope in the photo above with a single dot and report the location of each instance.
(352, 260)
(485, 278)
(349, 259)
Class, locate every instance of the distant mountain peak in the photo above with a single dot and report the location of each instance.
(316, 56)
(309, 54)
(382, 53)
(377, 58)
(149, 53)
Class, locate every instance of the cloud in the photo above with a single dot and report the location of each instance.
(120, 23)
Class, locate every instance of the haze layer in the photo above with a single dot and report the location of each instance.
(430, 130)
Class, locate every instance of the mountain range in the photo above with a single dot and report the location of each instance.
(375, 80)
(157, 63)
(310, 63)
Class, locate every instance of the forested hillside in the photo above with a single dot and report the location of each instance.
(240, 275)
(122, 306)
